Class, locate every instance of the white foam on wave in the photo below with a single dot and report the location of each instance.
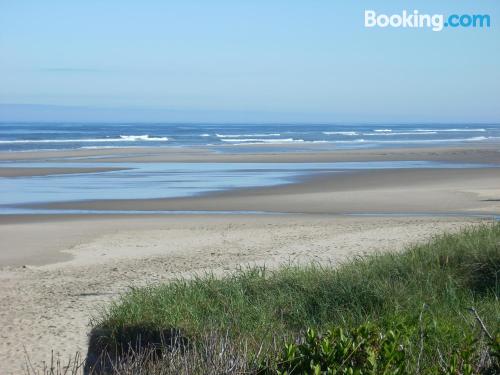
(247, 135)
(123, 138)
(382, 130)
(301, 141)
(360, 140)
(454, 130)
(340, 133)
(402, 133)
(471, 139)
(104, 147)
(260, 140)
(256, 141)
(205, 135)
(144, 137)
(423, 141)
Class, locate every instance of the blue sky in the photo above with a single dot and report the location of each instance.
(244, 60)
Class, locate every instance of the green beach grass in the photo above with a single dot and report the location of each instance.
(425, 292)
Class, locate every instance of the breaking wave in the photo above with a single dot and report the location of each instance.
(247, 135)
(122, 138)
(340, 133)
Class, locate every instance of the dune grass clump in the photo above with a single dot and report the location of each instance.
(426, 289)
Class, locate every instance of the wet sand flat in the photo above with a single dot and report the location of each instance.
(472, 153)
(402, 191)
(27, 172)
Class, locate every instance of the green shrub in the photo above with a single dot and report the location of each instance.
(369, 350)
(364, 350)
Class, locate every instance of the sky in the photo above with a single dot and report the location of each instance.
(259, 60)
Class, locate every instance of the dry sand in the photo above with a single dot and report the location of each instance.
(48, 307)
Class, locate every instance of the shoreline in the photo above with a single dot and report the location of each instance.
(472, 153)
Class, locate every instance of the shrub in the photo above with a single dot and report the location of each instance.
(369, 350)
(363, 350)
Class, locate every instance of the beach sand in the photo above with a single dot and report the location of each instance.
(49, 307)
(57, 270)
(472, 153)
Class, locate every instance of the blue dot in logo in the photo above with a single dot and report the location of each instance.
(446, 24)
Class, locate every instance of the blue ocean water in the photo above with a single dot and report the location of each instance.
(238, 137)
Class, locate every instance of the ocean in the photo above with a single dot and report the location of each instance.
(238, 137)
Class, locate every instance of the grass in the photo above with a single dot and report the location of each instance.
(427, 289)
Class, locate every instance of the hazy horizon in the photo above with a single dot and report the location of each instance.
(54, 113)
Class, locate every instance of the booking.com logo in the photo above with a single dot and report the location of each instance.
(436, 22)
